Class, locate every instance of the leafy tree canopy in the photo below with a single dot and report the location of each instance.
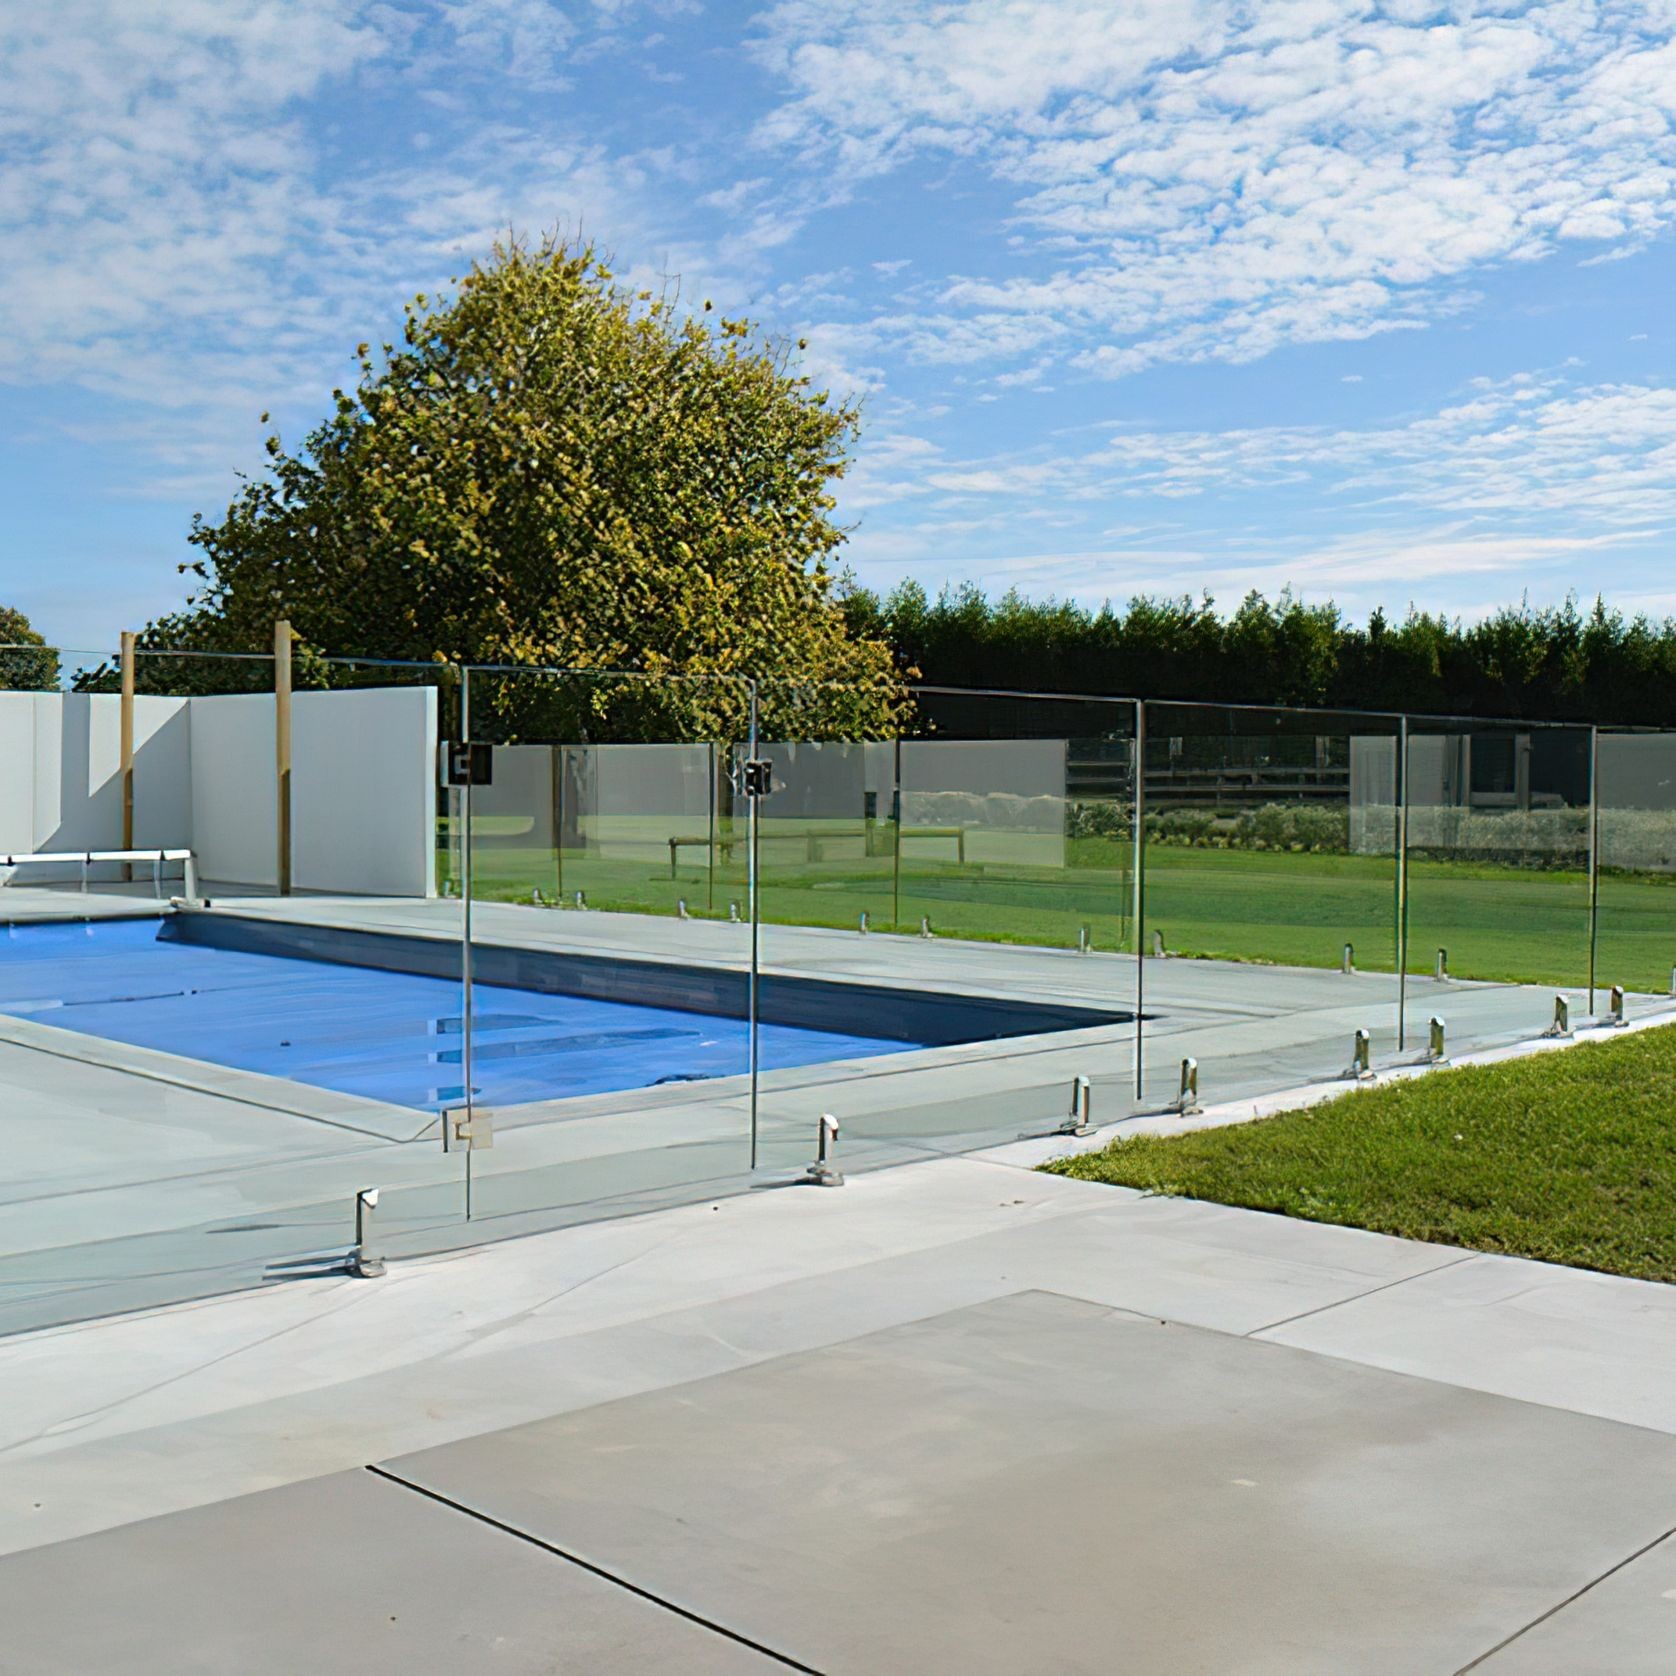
(22, 667)
(552, 470)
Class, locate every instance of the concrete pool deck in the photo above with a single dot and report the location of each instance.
(135, 1178)
(958, 1416)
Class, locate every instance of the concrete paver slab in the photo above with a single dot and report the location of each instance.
(1039, 1483)
(1200, 1264)
(1624, 1626)
(342, 1573)
(1598, 1344)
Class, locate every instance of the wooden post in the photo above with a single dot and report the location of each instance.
(282, 749)
(126, 747)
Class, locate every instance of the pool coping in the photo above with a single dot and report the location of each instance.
(925, 1015)
(373, 1118)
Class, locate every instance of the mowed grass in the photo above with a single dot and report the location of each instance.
(1569, 1157)
(1498, 923)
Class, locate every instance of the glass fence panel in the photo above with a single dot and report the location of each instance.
(630, 828)
(991, 859)
(1018, 840)
(1271, 896)
(245, 1021)
(1498, 852)
(827, 844)
(1271, 836)
(372, 845)
(654, 825)
(1635, 937)
(608, 1033)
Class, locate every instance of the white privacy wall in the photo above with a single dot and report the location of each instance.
(17, 754)
(363, 790)
(60, 755)
(235, 797)
(362, 784)
(162, 766)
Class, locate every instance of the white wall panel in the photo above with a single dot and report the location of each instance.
(17, 771)
(362, 786)
(363, 791)
(234, 796)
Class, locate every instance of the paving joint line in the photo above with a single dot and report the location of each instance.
(594, 1570)
(1384, 1286)
(1560, 1606)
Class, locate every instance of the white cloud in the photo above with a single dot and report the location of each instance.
(1524, 480)
(528, 38)
(1231, 178)
(1525, 446)
(1520, 448)
(199, 214)
(190, 215)
(1385, 566)
(1357, 572)
(150, 166)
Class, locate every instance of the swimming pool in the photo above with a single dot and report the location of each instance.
(387, 1035)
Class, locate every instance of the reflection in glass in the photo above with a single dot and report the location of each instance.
(1636, 812)
(1498, 851)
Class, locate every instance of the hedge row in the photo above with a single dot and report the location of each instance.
(1631, 839)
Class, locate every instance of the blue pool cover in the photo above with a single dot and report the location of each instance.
(386, 1035)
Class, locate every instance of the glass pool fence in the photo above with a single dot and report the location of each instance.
(310, 962)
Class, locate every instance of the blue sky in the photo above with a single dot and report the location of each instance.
(1375, 300)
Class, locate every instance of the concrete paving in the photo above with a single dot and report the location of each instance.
(348, 1573)
(1041, 1483)
(1622, 1625)
(162, 1410)
(1032, 1483)
(135, 1177)
(727, 1397)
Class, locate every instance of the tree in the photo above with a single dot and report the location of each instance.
(22, 667)
(549, 470)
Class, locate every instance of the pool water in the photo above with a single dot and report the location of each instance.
(385, 1035)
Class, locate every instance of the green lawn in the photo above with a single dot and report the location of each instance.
(1569, 1157)
(1502, 923)
(1499, 923)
